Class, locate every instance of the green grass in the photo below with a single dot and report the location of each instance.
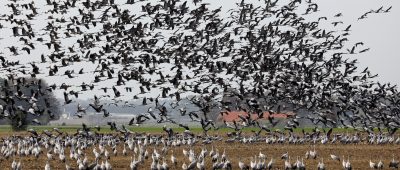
(158, 129)
(106, 129)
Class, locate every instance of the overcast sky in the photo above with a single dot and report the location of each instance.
(378, 32)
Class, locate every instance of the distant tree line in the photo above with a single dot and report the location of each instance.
(27, 101)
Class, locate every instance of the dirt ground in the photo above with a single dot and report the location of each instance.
(360, 155)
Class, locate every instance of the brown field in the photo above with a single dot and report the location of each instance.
(359, 155)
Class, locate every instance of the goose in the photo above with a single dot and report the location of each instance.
(102, 165)
(200, 164)
(285, 156)
(262, 164)
(253, 163)
(61, 157)
(192, 157)
(108, 68)
(115, 151)
(106, 154)
(184, 166)
(96, 154)
(380, 164)
(261, 155)
(217, 165)
(223, 156)
(19, 166)
(297, 164)
(47, 166)
(212, 151)
(124, 150)
(227, 165)
(307, 155)
(321, 165)
(242, 165)
(14, 165)
(313, 153)
(185, 153)
(173, 159)
(108, 165)
(81, 166)
(394, 163)
(301, 166)
(270, 164)
(67, 167)
(85, 161)
(155, 155)
(372, 165)
(164, 165)
(49, 155)
(288, 165)
(347, 165)
(335, 158)
(203, 152)
(192, 165)
(133, 164)
(214, 158)
(153, 165)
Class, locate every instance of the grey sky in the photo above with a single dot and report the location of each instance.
(378, 32)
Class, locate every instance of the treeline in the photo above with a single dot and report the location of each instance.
(27, 101)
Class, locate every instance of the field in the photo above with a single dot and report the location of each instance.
(360, 154)
(158, 129)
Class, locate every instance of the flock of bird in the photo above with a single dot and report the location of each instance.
(161, 152)
(264, 57)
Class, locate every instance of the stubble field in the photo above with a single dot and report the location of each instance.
(359, 155)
